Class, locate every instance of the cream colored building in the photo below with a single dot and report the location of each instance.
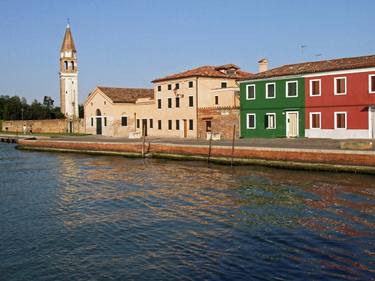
(171, 109)
(179, 97)
(117, 111)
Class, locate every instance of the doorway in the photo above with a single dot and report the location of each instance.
(292, 121)
(70, 127)
(144, 127)
(372, 122)
(185, 128)
(98, 122)
(98, 125)
(208, 126)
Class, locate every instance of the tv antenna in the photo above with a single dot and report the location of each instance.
(302, 51)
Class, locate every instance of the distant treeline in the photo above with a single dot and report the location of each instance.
(16, 108)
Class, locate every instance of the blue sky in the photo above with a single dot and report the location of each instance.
(129, 43)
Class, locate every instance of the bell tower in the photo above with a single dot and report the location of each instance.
(68, 77)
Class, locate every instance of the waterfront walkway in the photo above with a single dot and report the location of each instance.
(298, 143)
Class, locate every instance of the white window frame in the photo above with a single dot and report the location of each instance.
(335, 86)
(274, 85)
(287, 88)
(274, 116)
(346, 120)
(247, 121)
(127, 120)
(369, 83)
(311, 87)
(247, 92)
(320, 120)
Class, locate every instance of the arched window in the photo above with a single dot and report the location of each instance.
(72, 65)
(66, 65)
(98, 113)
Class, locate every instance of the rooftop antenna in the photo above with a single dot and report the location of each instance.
(302, 50)
(317, 56)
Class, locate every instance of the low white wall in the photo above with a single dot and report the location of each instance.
(337, 133)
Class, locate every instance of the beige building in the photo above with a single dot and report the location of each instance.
(180, 97)
(117, 111)
(171, 109)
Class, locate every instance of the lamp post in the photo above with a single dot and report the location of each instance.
(23, 125)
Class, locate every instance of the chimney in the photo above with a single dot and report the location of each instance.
(263, 65)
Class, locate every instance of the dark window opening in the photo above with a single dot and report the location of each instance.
(159, 103)
(169, 124)
(340, 86)
(191, 124)
(177, 125)
(124, 121)
(177, 102)
(191, 101)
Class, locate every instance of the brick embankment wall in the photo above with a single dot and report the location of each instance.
(43, 126)
(333, 157)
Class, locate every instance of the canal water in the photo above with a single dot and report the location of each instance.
(79, 217)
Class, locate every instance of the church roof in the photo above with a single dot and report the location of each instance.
(126, 95)
(68, 43)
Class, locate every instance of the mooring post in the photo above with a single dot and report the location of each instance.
(209, 148)
(233, 138)
(144, 140)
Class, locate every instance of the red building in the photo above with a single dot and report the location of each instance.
(340, 98)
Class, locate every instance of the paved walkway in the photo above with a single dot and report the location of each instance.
(299, 143)
(302, 143)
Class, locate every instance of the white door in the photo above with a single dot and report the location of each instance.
(372, 122)
(292, 124)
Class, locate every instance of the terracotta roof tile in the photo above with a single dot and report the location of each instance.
(207, 71)
(126, 95)
(316, 66)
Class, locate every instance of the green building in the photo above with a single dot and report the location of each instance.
(272, 106)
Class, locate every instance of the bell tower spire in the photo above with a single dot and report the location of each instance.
(68, 76)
